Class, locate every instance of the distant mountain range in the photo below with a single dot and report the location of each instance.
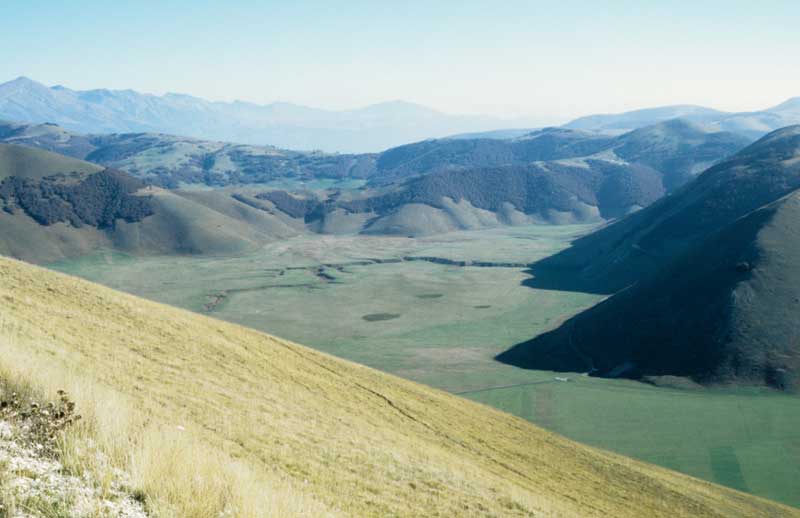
(752, 125)
(749, 124)
(370, 129)
(373, 128)
(706, 279)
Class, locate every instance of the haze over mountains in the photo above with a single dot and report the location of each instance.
(372, 128)
(750, 124)
(712, 282)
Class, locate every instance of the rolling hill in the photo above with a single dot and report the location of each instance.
(27, 163)
(213, 418)
(55, 207)
(627, 121)
(677, 148)
(713, 288)
(170, 161)
(545, 192)
(369, 129)
(550, 176)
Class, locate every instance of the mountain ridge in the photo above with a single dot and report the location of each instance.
(751, 124)
(552, 175)
(365, 129)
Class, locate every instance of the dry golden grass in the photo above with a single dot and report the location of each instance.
(210, 417)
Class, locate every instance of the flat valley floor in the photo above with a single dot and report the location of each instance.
(438, 309)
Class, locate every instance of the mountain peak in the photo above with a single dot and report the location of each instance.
(23, 80)
(22, 89)
(20, 83)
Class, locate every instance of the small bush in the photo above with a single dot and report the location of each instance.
(43, 424)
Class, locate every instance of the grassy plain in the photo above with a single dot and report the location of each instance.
(441, 324)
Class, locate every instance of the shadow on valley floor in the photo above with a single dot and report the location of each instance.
(543, 352)
(546, 277)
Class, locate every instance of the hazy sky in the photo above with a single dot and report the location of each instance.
(554, 59)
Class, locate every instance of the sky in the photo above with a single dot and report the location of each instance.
(544, 60)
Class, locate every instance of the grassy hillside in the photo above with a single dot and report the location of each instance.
(56, 207)
(212, 223)
(208, 416)
(450, 321)
(30, 163)
(471, 199)
(676, 149)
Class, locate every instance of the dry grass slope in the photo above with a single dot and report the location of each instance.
(26, 162)
(209, 416)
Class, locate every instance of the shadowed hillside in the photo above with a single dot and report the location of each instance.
(718, 289)
(639, 245)
(211, 417)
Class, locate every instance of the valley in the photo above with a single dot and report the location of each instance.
(440, 260)
(442, 257)
(437, 309)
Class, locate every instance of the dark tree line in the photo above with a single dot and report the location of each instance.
(97, 200)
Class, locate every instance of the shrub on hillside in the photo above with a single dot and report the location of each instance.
(43, 424)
